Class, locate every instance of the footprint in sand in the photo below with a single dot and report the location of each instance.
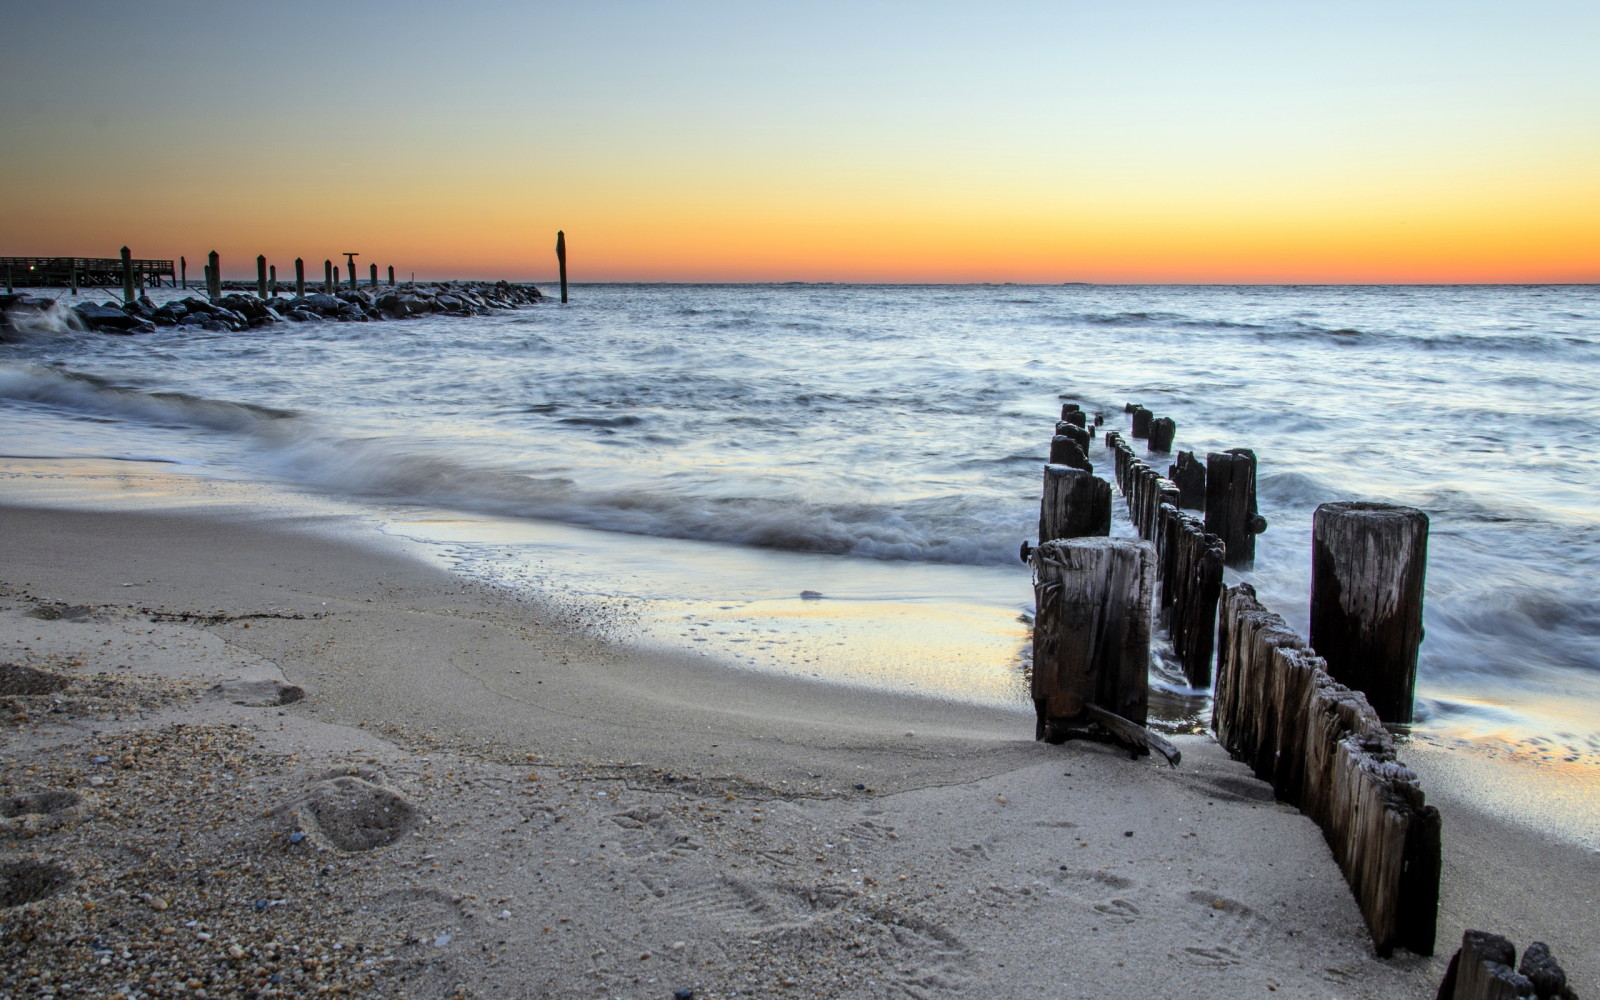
(40, 811)
(259, 694)
(348, 812)
(28, 880)
(1229, 931)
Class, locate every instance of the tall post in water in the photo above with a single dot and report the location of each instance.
(300, 277)
(261, 275)
(327, 276)
(73, 271)
(350, 257)
(561, 258)
(336, 277)
(127, 276)
(214, 277)
(9, 287)
(1368, 563)
(272, 280)
(183, 269)
(374, 275)
(391, 275)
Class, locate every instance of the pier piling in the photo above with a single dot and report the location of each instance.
(374, 283)
(214, 277)
(183, 269)
(391, 275)
(327, 276)
(561, 259)
(128, 294)
(300, 277)
(1231, 512)
(1368, 564)
(261, 275)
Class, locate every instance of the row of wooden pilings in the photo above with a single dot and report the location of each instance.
(1278, 706)
(266, 275)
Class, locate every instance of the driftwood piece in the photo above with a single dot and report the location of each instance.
(1231, 512)
(1074, 504)
(1091, 641)
(1190, 475)
(1368, 563)
(1107, 727)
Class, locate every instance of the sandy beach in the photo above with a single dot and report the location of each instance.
(247, 756)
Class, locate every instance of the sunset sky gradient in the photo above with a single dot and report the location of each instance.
(1138, 141)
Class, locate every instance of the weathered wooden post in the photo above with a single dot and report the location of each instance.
(183, 270)
(1231, 504)
(10, 288)
(128, 295)
(337, 279)
(327, 276)
(1368, 564)
(1141, 423)
(1481, 969)
(73, 272)
(214, 278)
(1076, 417)
(1091, 642)
(300, 277)
(1074, 504)
(261, 275)
(561, 259)
(374, 282)
(272, 280)
(350, 258)
(391, 275)
(1190, 476)
(1162, 431)
(1065, 451)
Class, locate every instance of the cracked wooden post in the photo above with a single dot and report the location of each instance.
(1162, 431)
(1231, 504)
(1368, 564)
(1091, 642)
(1074, 504)
(1190, 475)
(300, 277)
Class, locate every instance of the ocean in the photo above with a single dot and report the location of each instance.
(834, 480)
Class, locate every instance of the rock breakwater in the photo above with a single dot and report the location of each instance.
(239, 311)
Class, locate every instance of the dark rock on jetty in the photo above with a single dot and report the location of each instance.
(239, 311)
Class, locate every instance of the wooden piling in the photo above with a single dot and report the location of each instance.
(561, 259)
(391, 275)
(214, 277)
(261, 275)
(1190, 475)
(72, 278)
(272, 280)
(1079, 435)
(1368, 564)
(300, 277)
(1077, 418)
(1074, 504)
(128, 294)
(1231, 504)
(1065, 451)
(183, 270)
(1141, 423)
(1323, 748)
(374, 283)
(10, 288)
(337, 278)
(350, 259)
(1482, 969)
(1162, 431)
(1091, 641)
(327, 276)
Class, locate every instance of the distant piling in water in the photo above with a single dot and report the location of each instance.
(561, 259)
(128, 294)
(300, 277)
(214, 277)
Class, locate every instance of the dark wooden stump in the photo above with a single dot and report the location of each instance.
(1190, 475)
(1067, 408)
(1368, 564)
(327, 276)
(1141, 423)
(1231, 504)
(1162, 431)
(128, 294)
(261, 276)
(214, 277)
(1481, 970)
(1065, 451)
(1079, 434)
(1074, 504)
(561, 261)
(300, 277)
(1091, 640)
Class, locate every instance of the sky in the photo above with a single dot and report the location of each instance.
(1012, 140)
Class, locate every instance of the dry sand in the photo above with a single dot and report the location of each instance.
(476, 796)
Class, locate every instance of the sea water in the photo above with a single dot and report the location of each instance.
(834, 480)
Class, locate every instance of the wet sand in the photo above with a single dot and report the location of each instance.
(480, 795)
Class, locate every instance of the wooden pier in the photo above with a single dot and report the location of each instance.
(58, 272)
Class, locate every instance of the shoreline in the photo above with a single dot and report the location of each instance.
(964, 860)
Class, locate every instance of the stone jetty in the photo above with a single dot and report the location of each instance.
(239, 311)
